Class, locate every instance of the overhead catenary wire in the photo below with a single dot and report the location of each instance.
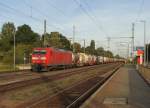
(92, 18)
(140, 10)
(18, 12)
(20, 21)
(45, 17)
(59, 27)
(15, 10)
(43, 14)
(58, 10)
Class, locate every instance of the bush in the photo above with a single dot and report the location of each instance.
(21, 51)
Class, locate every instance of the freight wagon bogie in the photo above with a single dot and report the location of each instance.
(39, 68)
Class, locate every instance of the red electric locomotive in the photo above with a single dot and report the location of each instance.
(48, 58)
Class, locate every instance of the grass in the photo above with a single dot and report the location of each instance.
(7, 68)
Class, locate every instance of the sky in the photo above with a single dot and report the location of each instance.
(93, 19)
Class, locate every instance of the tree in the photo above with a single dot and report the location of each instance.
(57, 40)
(88, 50)
(46, 39)
(108, 54)
(117, 56)
(54, 39)
(92, 44)
(100, 51)
(25, 35)
(8, 30)
(65, 43)
(23, 51)
(77, 47)
(6, 38)
(92, 47)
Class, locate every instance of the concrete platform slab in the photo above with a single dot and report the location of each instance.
(126, 87)
(119, 101)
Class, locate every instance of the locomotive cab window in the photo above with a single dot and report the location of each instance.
(39, 52)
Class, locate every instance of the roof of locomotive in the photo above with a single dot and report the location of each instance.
(51, 48)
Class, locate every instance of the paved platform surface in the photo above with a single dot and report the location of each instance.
(125, 89)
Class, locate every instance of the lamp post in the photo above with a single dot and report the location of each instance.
(73, 38)
(144, 22)
(14, 50)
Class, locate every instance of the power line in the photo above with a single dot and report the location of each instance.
(140, 10)
(58, 10)
(46, 16)
(37, 10)
(41, 14)
(89, 8)
(34, 27)
(91, 17)
(18, 12)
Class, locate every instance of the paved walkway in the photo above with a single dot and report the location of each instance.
(126, 89)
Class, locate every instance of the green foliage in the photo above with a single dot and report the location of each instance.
(55, 39)
(6, 36)
(26, 39)
(25, 35)
(108, 54)
(46, 39)
(88, 50)
(100, 51)
(23, 51)
(65, 43)
(8, 30)
(77, 47)
(8, 57)
(6, 68)
(92, 47)
(117, 56)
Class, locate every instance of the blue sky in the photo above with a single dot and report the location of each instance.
(109, 18)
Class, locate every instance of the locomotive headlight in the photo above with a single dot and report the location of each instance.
(43, 58)
(34, 58)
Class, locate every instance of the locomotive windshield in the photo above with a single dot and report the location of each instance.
(39, 52)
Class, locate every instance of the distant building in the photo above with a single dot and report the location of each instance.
(139, 52)
(140, 56)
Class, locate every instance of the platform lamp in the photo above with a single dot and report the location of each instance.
(14, 35)
(144, 22)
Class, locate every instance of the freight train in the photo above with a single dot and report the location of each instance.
(45, 59)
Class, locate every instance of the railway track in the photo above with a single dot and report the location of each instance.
(42, 78)
(73, 96)
(22, 73)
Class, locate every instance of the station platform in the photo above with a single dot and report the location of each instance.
(125, 89)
